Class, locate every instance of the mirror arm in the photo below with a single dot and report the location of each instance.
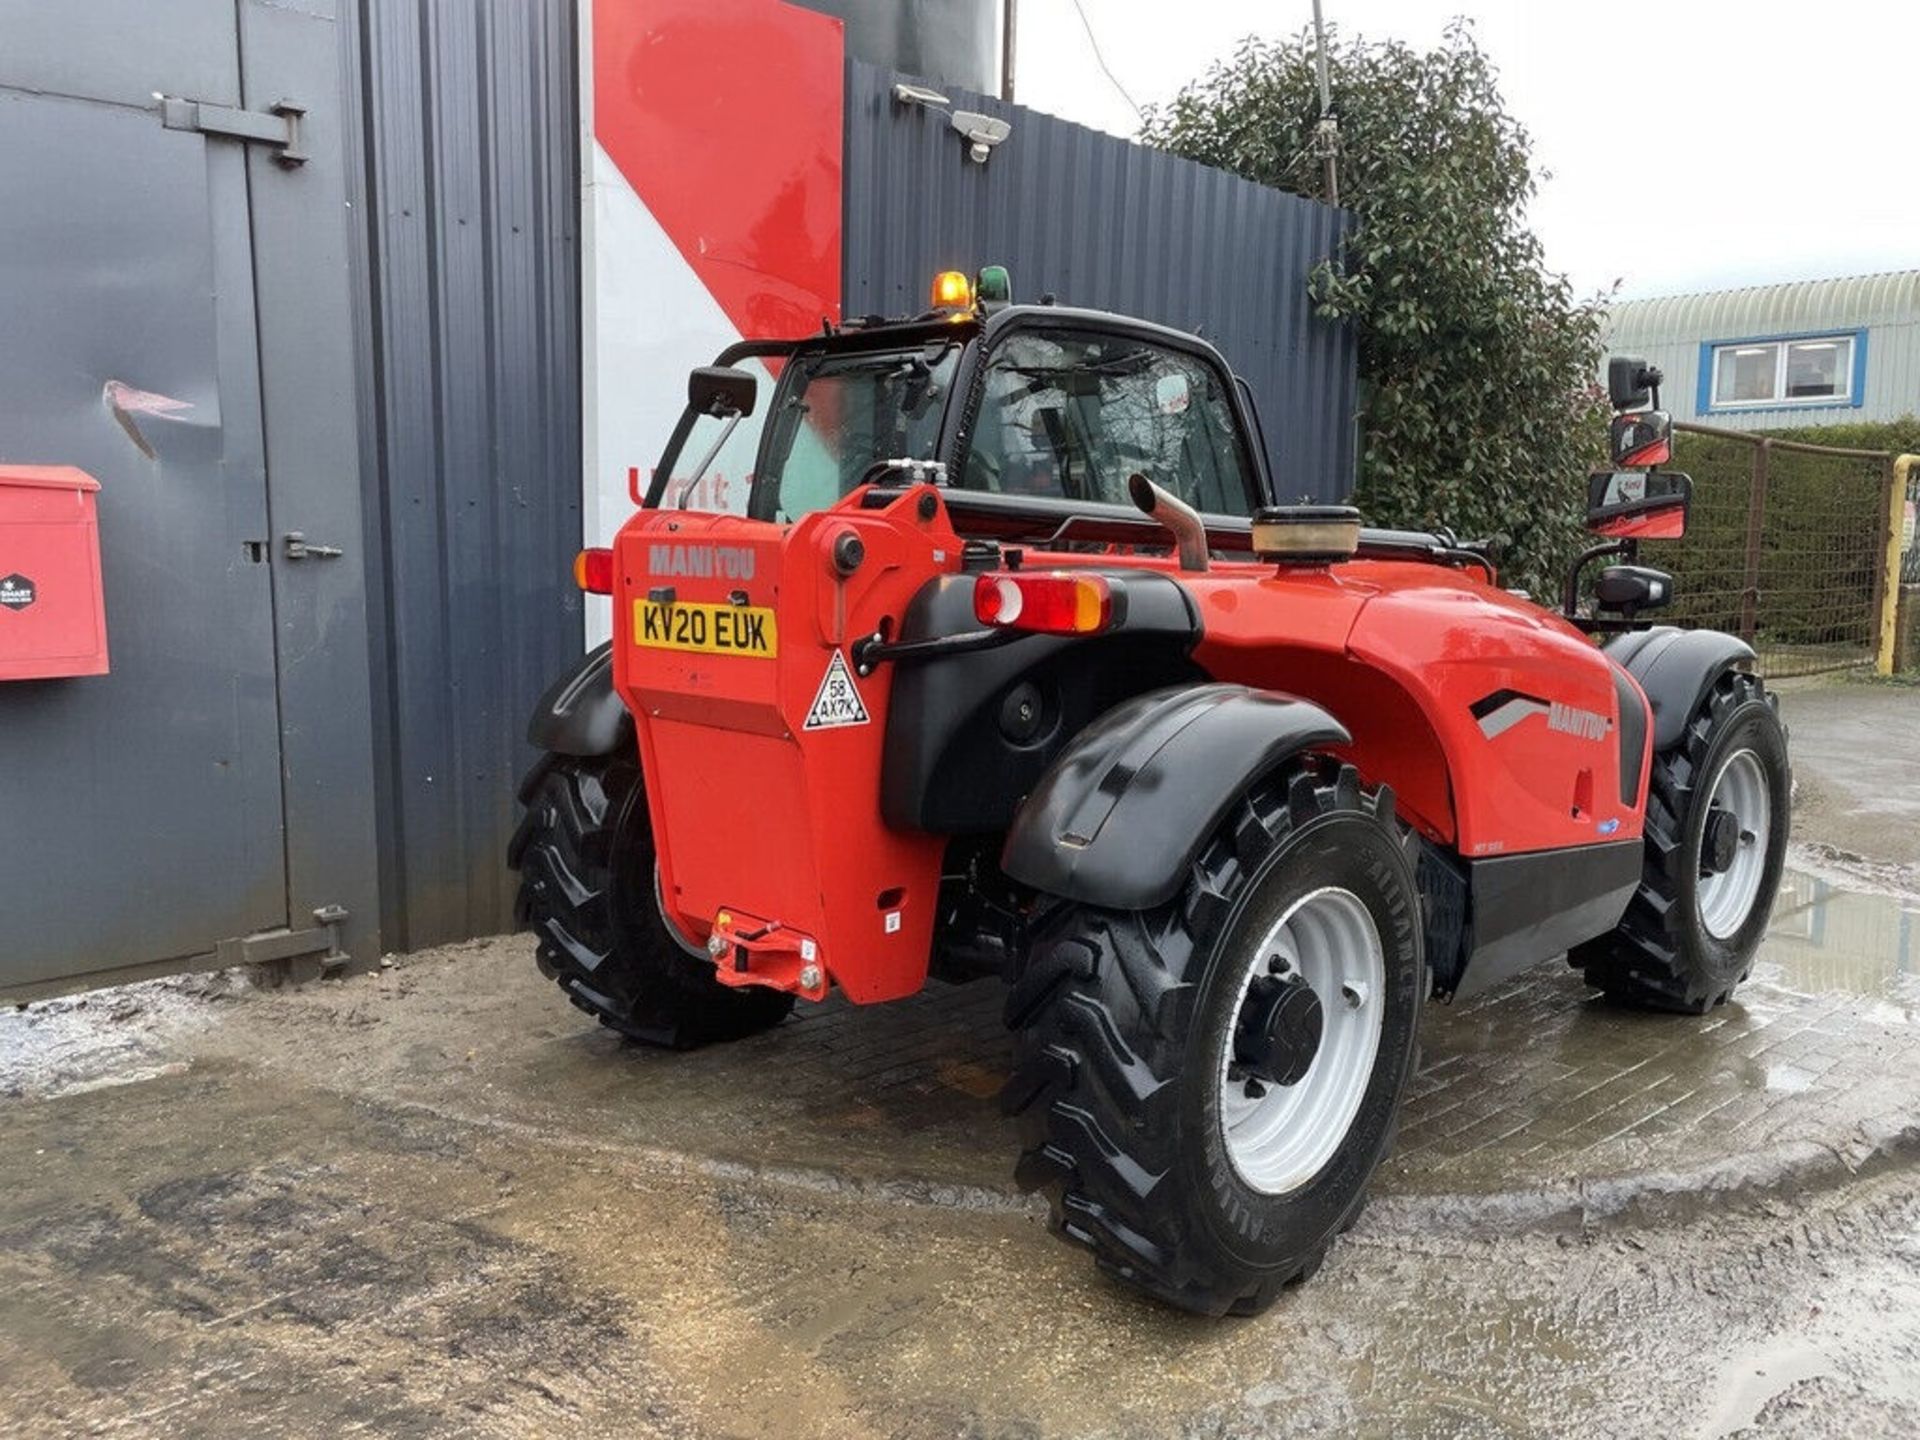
(1570, 601)
(726, 431)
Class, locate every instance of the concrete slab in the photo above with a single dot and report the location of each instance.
(436, 1200)
(1856, 760)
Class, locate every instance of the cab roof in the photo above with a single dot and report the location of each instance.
(867, 332)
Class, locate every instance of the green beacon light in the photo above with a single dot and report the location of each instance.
(993, 286)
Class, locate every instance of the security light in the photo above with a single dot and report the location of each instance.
(982, 132)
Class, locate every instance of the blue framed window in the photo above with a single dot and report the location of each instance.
(1784, 372)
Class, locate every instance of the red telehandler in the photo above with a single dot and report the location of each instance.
(1006, 662)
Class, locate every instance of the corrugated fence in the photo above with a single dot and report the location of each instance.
(469, 197)
(1102, 222)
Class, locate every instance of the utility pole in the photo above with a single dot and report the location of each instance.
(1326, 134)
(1009, 21)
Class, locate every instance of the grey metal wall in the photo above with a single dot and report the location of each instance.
(1103, 222)
(951, 42)
(177, 318)
(468, 200)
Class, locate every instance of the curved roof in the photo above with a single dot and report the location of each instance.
(1888, 299)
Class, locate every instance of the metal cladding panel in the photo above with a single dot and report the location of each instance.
(1100, 221)
(470, 397)
(955, 42)
(1669, 331)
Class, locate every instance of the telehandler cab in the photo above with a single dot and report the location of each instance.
(986, 650)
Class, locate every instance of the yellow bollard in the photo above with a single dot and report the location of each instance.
(1903, 471)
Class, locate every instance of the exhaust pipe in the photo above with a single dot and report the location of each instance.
(1183, 522)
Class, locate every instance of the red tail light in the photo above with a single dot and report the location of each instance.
(1051, 602)
(593, 571)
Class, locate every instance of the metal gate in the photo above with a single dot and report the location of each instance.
(173, 301)
(1785, 547)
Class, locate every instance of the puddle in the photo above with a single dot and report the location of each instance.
(1825, 940)
(1749, 1382)
(120, 1036)
(1854, 1339)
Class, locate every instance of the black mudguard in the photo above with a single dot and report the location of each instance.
(1121, 813)
(954, 762)
(581, 714)
(1676, 668)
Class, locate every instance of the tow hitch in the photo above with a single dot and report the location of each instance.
(747, 950)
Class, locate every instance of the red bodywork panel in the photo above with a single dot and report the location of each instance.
(754, 811)
(1495, 722)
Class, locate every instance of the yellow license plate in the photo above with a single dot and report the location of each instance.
(705, 629)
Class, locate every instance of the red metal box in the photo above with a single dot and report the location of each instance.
(53, 621)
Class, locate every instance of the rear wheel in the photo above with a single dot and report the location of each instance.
(1207, 1087)
(589, 890)
(1716, 841)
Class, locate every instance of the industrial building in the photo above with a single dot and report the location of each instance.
(1810, 352)
(362, 315)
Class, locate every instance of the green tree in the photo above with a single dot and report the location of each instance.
(1479, 407)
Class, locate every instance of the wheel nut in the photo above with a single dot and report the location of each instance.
(809, 977)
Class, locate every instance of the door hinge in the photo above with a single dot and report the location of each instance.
(323, 940)
(278, 125)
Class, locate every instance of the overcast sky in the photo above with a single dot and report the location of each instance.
(1692, 144)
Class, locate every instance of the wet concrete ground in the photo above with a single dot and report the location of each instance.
(1856, 757)
(437, 1201)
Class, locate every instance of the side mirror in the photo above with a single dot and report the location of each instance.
(1639, 504)
(721, 390)
(1642, 438)
(1631, 382)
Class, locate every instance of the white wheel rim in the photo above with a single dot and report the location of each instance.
(1726, 899)
(1281, 1139)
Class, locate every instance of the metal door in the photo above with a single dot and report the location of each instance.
(146, 812)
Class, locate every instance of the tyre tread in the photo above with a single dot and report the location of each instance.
(1100, 1012)
(563, 849)
(1642, 961)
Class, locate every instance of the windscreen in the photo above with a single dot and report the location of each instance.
(1071, 415)
(836, 414)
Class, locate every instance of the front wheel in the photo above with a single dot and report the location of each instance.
(1208, 1087)
(1716, 841)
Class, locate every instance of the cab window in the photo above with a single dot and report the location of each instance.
(1071, 415)
(835, 414)
(703, 477)
(709, 460)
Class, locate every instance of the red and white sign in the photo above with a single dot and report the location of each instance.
(710, 212)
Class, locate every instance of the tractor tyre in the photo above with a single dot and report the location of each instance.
(1718, 808)
(589, 890)
(1207, 1087)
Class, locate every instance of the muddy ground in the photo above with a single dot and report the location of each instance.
(434, 1200)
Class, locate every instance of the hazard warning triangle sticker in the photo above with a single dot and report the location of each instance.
(837, 701)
